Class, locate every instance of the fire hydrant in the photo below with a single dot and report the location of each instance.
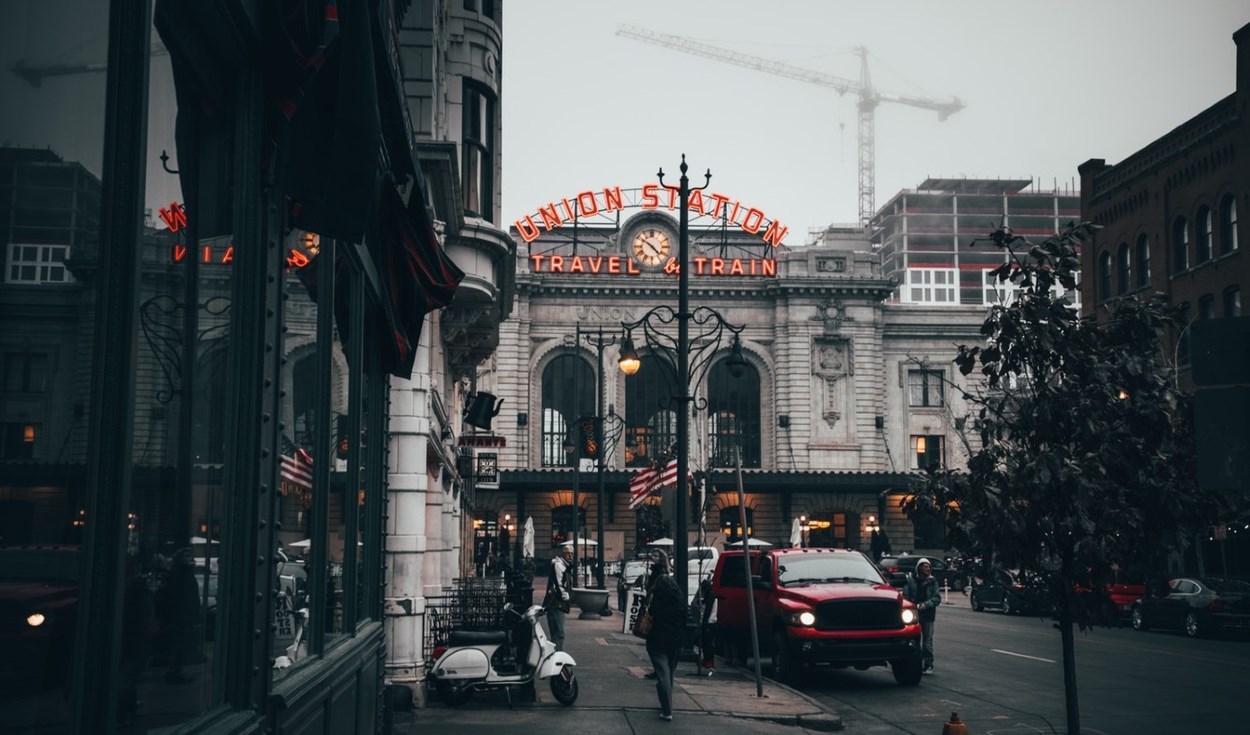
(955, 726)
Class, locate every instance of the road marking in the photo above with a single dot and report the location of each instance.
(1021, 655)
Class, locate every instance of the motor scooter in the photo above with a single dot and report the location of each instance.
(519, 654)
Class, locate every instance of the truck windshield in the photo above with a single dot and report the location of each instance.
(812, 569)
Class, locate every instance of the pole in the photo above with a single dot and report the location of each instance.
(577, 448)
(746, 562)
(602, 386)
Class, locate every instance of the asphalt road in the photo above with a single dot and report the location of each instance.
(1004, 674)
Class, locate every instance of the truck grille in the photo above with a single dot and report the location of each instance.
(858, 615)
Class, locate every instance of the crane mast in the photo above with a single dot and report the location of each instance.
(869, 97)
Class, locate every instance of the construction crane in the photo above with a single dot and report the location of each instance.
(34, 74)
(869, 97)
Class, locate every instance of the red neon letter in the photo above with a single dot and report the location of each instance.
(769, 267)
(229, 256)
(536, 263)
(718, 266)
(180, 253)
(775, 233)
(695, 203)
(614, 264)
(735, 267)
(752, 222)
(650, 197)
(699, 261)
(550, 217)
(612, 199)
(527, 229)
(587, 209)
(720, 200)
(557, 264)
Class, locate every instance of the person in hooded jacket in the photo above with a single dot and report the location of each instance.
(668, 612)
(922, 589)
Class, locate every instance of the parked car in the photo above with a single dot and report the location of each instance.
(38, 617)
(1195, 605)
(897, 568)
(1012, 592)
(633, 574)
(816, 606)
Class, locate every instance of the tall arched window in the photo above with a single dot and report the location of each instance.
(568, 392)
(1180, 245)
(1228, 225)
(1104, 276)
(1123, 268)
(733, 406)
(1143, 261)
(1204, 235)
(650, 412)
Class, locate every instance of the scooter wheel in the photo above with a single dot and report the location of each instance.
(453, 696)
(564, 686)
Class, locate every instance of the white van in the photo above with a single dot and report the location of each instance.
(701, 560)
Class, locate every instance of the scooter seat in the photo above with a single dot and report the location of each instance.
(476, 637)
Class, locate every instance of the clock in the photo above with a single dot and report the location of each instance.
(652, 247)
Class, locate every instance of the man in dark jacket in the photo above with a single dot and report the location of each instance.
(668, 631)
(922, 589)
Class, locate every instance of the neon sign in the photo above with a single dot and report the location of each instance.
(589, 202)
(220, 251)
(616, 265)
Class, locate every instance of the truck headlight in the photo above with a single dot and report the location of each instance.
(909, 616)
(806, 618)
(35, 620)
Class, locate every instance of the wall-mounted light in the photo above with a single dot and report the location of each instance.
(629, 362)
(28, 433)
(920, 445)
(1122, 395)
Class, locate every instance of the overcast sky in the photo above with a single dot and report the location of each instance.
(1048, 84)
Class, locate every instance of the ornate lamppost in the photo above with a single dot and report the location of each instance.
(686, 360)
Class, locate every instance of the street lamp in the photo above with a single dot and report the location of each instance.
(687, 361)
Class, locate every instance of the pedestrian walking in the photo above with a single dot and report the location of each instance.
(668, 613)
(922, 589)
(556, 601)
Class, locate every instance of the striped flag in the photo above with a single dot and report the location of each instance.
(641, 485)
(668, 478)
(297, 468)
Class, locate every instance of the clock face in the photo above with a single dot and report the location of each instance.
(652, 247)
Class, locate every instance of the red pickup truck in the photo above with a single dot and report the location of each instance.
(816, 606)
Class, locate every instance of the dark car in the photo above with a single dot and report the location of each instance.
(1196, 606)
(1012, 592)
(896, 569)
(38, 617)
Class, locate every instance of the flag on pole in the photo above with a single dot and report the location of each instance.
(668, 477)
(296, 468)
(641, 486)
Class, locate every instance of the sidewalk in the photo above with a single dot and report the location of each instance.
(616, 698)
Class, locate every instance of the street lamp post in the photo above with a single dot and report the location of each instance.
(677, 357)
(599, 341)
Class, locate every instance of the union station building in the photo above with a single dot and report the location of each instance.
(846, 391)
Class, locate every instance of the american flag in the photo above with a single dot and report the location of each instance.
(296, 468)
(641, 485)
(650, 480)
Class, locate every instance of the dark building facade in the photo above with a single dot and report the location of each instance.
(1172, 221)
(197, 401)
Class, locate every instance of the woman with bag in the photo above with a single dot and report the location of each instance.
(667, 608)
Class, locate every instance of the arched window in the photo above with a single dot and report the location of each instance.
(731, 524)
(733, 406)
(1204, 235)
(1143, 261)
(1104, 276)
(1180, 245)
(568, 392)
(1123, 268)
(650, 413)
(1228, 225)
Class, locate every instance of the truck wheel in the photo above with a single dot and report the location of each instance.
(906, 670)
(785, 663)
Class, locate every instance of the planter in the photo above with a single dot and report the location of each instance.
(591, 601)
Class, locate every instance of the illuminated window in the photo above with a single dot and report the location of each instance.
(651, 422)
(731, 523)
(926, 451)
(833, 528)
